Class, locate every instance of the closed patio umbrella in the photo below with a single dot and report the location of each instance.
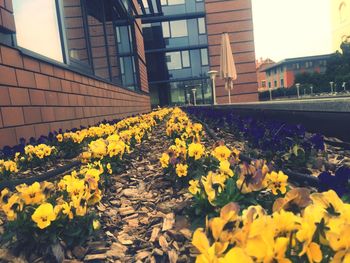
(227, 65)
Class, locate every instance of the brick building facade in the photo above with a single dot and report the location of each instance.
(101, 72)
(235, 18)
(39, 95)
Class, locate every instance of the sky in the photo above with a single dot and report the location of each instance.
(291, 28)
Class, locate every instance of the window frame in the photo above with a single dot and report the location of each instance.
(169, 28)
(181, 59)
(74, 64)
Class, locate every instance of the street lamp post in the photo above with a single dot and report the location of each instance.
(298, 86)
(194, 96)
(270, 91)
(311, 90)
(212, 75)
(344, 86)
(332, 85)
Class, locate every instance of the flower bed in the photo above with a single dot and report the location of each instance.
(249, 212)
(24, 160)
(42, 215)
(242, 211)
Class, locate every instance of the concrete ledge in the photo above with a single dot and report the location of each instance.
(314, 105)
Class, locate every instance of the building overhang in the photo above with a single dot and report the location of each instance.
(124, 9)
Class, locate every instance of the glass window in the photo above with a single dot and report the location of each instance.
(121, 61)
(166, 29)
(275, 83)
(204, 57)
(173, 60)
(269, 84)
(282, 82)
(124, 38)
(95, 19)
(185, 59)
(201, 25)
(38, 31)
(178, 28)
(176, 2)
(163, 2)
(75, 32)
(127, 69)
(263, 84)
(117, 31)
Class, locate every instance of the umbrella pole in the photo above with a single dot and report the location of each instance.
(229, 96)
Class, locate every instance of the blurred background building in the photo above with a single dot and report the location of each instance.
(340, 22)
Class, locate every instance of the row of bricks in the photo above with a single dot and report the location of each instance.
(23, 78)
(25, 97)
(11, 136)
(16, 116)
(21, 70)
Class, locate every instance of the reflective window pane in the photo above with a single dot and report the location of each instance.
(176, 2)
(166, 29)
(178, 28)
(204, 56)
(95, 18)
(117, 31)
(37, 27)
(173, 60)
(185, 59)
(201, 26)
(75, 33)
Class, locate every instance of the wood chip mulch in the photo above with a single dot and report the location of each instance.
(141, 213)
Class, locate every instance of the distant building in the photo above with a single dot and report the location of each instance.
(282, 74)
(261, 65)
(183, 44)
(340, 22)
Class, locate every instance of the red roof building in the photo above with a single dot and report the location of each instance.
(282, 74)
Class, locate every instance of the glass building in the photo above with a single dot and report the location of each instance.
(176, 47)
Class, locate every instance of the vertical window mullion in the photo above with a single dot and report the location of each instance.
(61, 27)
(106, 40)
(87, 34)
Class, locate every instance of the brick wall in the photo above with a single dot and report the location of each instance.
(141, 56)
(235, 18)
(37, 97)
(7, 22)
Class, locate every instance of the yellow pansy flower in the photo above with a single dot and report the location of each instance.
(164, 160)
(59, 137)
(236, 254)
(181, 170)
(196, 150)
(44, 215)
(277, 182)
(194, 187)
(221, 153)
(32, 194)
(225, 168)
